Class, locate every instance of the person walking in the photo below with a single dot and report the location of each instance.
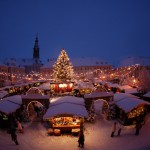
(138, 126)
(81, 140)
(19, 127)
(113, 129)
(119, 129)
(14, 136)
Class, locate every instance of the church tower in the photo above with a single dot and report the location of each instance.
(36, 49)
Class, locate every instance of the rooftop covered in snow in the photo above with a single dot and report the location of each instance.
(84, 61)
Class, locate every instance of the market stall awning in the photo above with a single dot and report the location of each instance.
(3, 94)
(67, 109)
(16, 99)
(128, 104)
(70, 99)
(8, 107)
(120, 96)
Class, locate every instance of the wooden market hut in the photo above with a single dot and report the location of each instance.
(128, 108)
(66, 113)
(9, 106)
(35, 95)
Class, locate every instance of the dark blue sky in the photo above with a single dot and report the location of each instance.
(109, 29)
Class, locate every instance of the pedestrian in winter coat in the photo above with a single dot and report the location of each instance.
(81, 139)
(138, 126)
(20, 127)
(113, 129)
(14, 136)
(119, 129)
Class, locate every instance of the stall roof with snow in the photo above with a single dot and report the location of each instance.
(69, 99)
(120, 96)
(8, 107)
(66, 108)
(128, 104)
(14, 99)
(44, 86)
(34, 93)
(98, 95)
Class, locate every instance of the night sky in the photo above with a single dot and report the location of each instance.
(109, 29)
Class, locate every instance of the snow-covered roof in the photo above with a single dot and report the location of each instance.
(147, 94)
(14, 99)
(98, 94)
(127, 88)
(112, 84)
(8, 107)
(35, 96)
(68, 99)
(3, 94)
(44, 86)
(143, 61)
(83, 85)
(67, 109)
(131, 90)
(18, 62)
(128, 104)
(84, 61)
(120, 96)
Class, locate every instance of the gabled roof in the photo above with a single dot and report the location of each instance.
(84, 61)
(67, 109)
(129, 103)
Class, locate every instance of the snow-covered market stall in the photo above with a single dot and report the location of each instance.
(106, 97)
(9, 105)
(83, 87)
(34, 96)
(128, 108)
(66, 114)
(45, 88)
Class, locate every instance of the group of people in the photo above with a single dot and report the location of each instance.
(118, 128)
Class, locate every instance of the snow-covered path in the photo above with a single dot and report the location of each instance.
(97, 137)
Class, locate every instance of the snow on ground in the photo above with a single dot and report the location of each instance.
(97, 137)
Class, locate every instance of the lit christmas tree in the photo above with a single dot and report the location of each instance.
(63, 68)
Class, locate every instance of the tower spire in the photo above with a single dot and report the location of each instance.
(36, 48)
